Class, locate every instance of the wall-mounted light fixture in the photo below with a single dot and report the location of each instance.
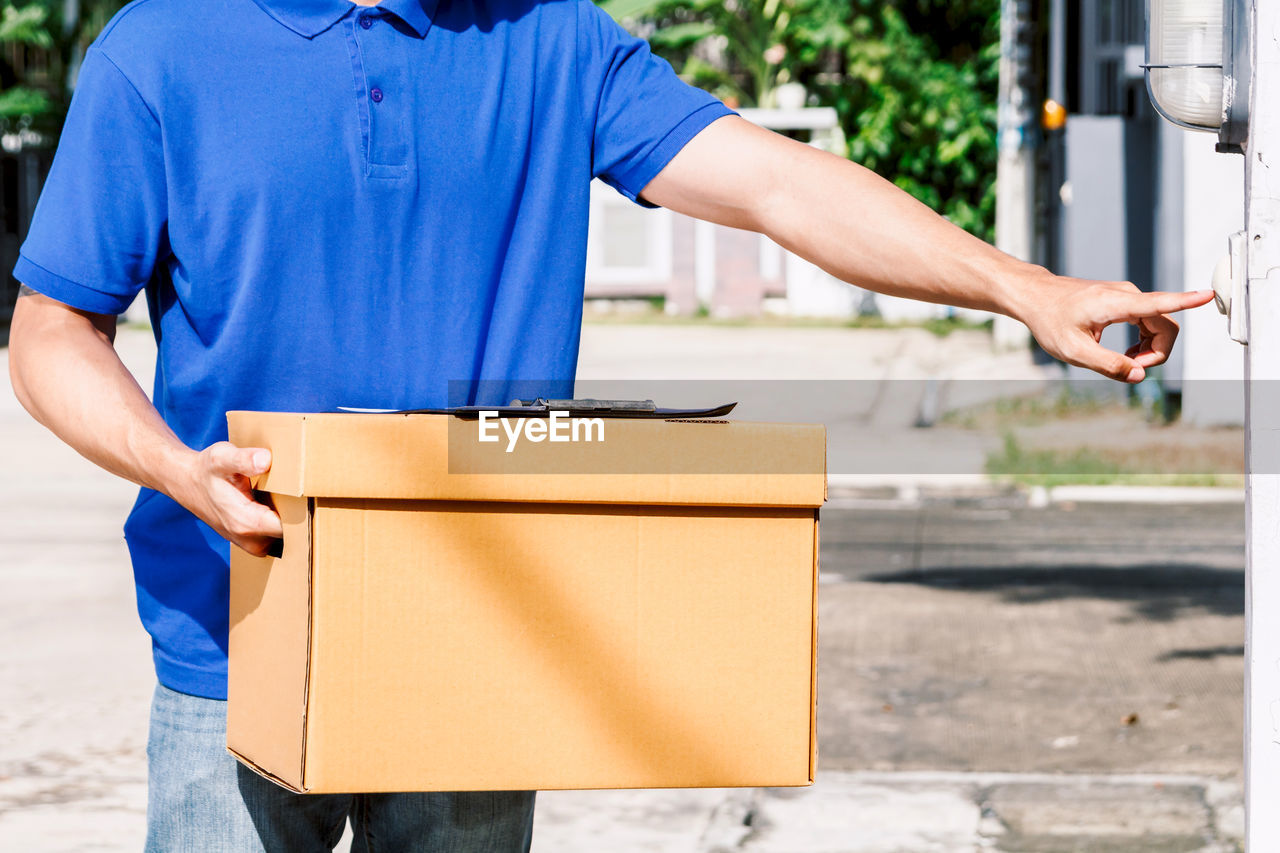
(1198, 66)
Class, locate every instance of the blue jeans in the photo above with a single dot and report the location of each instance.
(200, 799)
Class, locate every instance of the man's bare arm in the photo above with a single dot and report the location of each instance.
(864, 230)
(66, 372)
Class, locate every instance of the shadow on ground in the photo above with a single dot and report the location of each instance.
(1156, 591)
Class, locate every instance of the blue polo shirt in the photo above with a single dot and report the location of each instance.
(333, 205)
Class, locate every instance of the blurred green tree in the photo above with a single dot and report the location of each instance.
(41, 44)
(24, 26)
(913, 81)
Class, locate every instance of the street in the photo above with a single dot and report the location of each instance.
(1003, 638)
(993, 676)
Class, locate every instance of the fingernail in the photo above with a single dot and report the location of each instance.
(1136, 374)
(262, 460)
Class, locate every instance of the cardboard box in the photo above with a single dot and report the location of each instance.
(646, 617)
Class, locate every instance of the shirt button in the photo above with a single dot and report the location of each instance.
(376, 94)
(366, 21)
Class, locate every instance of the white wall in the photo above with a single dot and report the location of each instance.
(1213, 207)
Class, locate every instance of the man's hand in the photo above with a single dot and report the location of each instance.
(65, 371)
(216, 487)
(862, 229)
(1067, 316)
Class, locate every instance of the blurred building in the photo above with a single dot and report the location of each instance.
(1115, 192)
(694, 267)
(1093, 184)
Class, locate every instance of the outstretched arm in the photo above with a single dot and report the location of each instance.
(864, 230)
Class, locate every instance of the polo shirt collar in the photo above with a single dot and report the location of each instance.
(310, 18)
(416, 13)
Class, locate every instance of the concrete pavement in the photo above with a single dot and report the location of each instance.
(958, 642)
(920, 812)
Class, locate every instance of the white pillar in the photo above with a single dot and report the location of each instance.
(1262, 441)
(704, 262)
(1015, 169)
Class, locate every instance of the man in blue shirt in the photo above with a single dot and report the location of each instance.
(339, 204)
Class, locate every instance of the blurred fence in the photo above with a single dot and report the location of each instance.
(22, 173)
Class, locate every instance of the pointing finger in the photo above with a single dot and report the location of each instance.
(1136, 306)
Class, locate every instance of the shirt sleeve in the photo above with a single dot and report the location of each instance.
(100, 223)
(643, 113)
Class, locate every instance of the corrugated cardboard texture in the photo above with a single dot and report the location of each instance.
(568, 631)
(270, 631)
(726, 464)
(478, 646)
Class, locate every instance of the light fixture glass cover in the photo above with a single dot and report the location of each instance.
(1185, 61)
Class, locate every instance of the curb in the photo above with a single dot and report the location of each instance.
(856, 490)
(1136, 494)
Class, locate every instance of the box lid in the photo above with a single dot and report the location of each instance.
(438, 457)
